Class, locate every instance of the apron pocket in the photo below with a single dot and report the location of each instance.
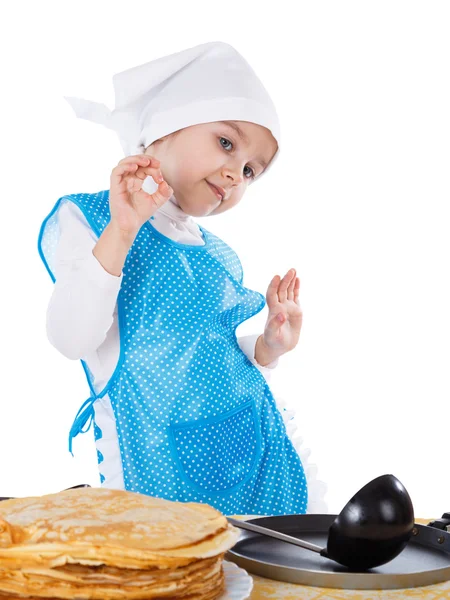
(218, 453)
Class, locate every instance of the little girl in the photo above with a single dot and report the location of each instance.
(150, 301)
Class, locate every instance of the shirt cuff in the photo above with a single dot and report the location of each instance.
(99, 276)
(247, 344)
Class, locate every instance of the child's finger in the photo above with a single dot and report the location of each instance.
(136, 165)
(118, 173)
(129, 164)
(158, 198)
(164, 189)
(133, 184)
(297, 291)
(290, 290)
(122, 177)
(132, 175)
(143, 159)
(154, 172)
(271, 294)
(282, 289)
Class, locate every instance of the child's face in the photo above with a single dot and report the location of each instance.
(212, 152)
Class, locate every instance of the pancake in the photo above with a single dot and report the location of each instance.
(102, 543)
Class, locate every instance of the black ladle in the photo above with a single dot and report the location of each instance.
(371, 530)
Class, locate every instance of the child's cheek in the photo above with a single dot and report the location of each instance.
(192, 167)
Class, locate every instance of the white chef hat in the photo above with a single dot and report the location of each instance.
(206, 83)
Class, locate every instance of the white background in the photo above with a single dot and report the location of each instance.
(357, 203)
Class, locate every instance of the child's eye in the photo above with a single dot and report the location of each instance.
(252, 172)
(228, 142)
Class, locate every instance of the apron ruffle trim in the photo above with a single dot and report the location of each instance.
(316, 488)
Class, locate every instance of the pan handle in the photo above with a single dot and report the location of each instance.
(82, 485)
(443, 523)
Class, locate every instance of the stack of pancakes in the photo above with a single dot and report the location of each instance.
(107, 544)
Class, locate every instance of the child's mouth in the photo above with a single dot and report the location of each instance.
(216, 192)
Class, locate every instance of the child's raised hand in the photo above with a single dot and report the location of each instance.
(284, 322)
(130, 205)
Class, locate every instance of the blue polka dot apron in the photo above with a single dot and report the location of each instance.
(196, 420)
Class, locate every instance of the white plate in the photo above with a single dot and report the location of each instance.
(238, 583)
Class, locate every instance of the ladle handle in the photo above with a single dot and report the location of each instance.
(274, 534)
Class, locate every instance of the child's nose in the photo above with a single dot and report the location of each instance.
(235, 173)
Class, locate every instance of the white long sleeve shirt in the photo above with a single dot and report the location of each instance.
(82, 321)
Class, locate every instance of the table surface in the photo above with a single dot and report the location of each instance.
(276, 590)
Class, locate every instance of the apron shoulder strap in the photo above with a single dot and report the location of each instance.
(95, 208)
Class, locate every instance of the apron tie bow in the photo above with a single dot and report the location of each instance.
(84, 415)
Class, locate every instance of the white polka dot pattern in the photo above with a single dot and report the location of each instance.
(234, 443)
(196, 420)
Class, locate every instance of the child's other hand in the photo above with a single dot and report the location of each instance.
(284, 322)
(130, 205)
